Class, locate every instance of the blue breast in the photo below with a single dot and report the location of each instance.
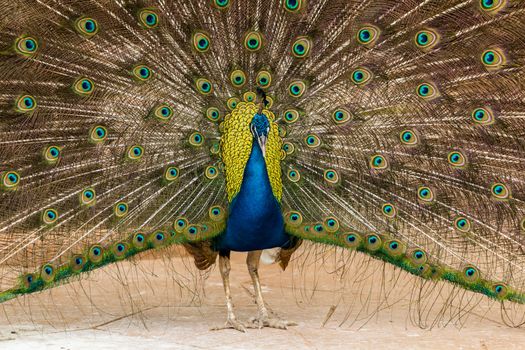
(255, 219)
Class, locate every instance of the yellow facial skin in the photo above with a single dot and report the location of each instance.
(236, 146)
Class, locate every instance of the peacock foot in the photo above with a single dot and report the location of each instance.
(232, 323)
(264, 320)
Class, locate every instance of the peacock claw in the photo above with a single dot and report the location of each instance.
(270, 322)
(231, 324)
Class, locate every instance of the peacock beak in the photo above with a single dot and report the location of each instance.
(261, 140)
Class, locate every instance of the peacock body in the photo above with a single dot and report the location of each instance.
(392, 128)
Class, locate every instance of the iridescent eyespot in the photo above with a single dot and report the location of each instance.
(368, 35)
(351, 240)
(341, 116)
(361, 76)
(263, 79)
(10, 180)
(180, 224)
(312, 141)
(373, 242)
(462, 224)
(98, 134)
(378, 162)
(88, 197)
(135, 152)
(331, 224)
(121, 209)
(290, 116)
(394, 248)
(389, 210)
(425, 194)
(331, 176)
(148, 18)
(142, 73)
(500, 290)
(417, 257)
(293, 175)
(217, 213)
(249, 96)
(171, 173)
(215, 148)
(500, 191)
(49, 216)
(28, 280)
(163, 112)
(294, 218)
(221, 4)
(288, 147)
(408, 137)
(294, 5)
(493, 59)
(26, 46)
(427, 39)
(296, 88)
(471, 273)
(232, 103)
(83, 86)
(426, 91)
(139, 240)
(211, 172)
(318, 228)
(213, 114)
(196, 139)
(483, 116)
(282, 131)
(301, 47)
(238, 78)
(492, 6)
(47, 273)
(77, 263)
(25, 104)
(457, 159)
(119, 250)
(269, 100)
(201, 42)
(204, 86)
(51, 154)
(158, 238)
(86, 26)
(253, 41)
(96, 254)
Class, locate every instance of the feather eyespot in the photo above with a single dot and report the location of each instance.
(171, 173)
(238, 78)
(264, 79)
(51, 154)
(142, 73)
(25, 104)
(296, 88)
(378, 162)
(121, 209)
(148, 18)
(213, 114)
(180, 224)
(138, 241)
(500, 290)
(204, 86)
(293, 175)
(10, 180)
(135, 152)
(352, 240)
(221, 4)
(331, 224)
(211, 172)
(301, 47)
(196, 139)
(96, 254)
(361, 76)
(86, 26)
(394, 248)
(249, 96)
(253, 41)
(49, 216)
(408, 137)
(290, 116)
(425, 194)
(427, 39)
(26, 46)
(289, 148)
(98, 134)
(471, 274)
(47, 273)
(483, 116)
(158, 239)
(492, 6)
(217, 213)
(457, 159)
(373, 242)
(294, 218)
(162, 113)
(462, 224)
(331, 176)
(493, 59)
(417, 257)
(368, 35)
(427, 91)
(119, 250)
(232, 103)
(84, 86)
(500, 191)
(88, 197)
(77, 263)
(389, 210)
(201, 42)
(341, 116)
(294, 6)
(312, 141)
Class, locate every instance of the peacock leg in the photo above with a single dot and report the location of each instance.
(231, 322)
(263, 318)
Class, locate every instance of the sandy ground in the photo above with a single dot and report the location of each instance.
(153, 308)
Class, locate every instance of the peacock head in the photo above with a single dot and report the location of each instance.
(260, 127)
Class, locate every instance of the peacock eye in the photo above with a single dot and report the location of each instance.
(293, 175)
(98, 134)
(408, 137)
(217, 213)
(301, 47)
(87, 197)
(373, 242)
(483, 116)
(361, 76)
(49, 216)
(211, 172)
(294, 218)
(289, 147)
(238, 78)
(341, 116)
(493, 59)
(291, 116)
(163, 112)
(180, 224)
(368, 35)
(10, 180)
(171, 173)
(457, 159)
(86, 26)
(135, 152)
(500, 290)
(25, 104)
(213, 114)
(426, 91)
(204, 86)
(201, 42)
(492, 6)
(296, 88)
(83, 86)
(425, 194)
(51, 154)
(196, 139)
(148, 18)
(331, 176)
(221, 4)
(232, 103)
(462, 224)
(264, 79)
(26, 46)
(471, 273)
(121, 209)
(417, 257)
(294, 5)
(312, 141)
(388, 210)
(500, 191)
(253, 41)
(331, 224)
(427, 39)
(142, 73)
(378, 162)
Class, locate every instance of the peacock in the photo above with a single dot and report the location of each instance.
(393, 128)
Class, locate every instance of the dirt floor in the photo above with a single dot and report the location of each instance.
(160, 304)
